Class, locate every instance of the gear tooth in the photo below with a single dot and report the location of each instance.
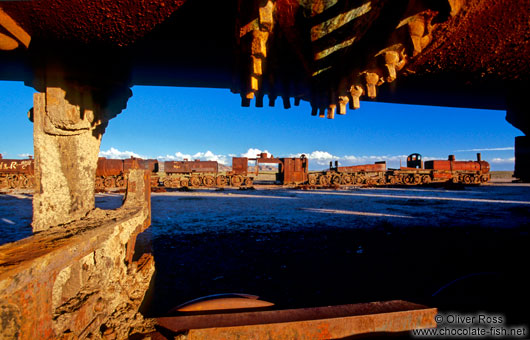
(356, 91)
(343, 101)
(371, 81)
(331, 111)
(286, 102)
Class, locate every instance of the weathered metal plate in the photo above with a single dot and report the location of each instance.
(190, 166)
(334, 322)
(364, 167)
(18, 166)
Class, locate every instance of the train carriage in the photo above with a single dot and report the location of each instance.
(111, 173)
(17, 173)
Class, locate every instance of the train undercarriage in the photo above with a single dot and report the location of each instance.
(111, 174)
(397, 177)
(205, 181)
(17, 181)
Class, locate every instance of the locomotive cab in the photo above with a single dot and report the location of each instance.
(414, 161)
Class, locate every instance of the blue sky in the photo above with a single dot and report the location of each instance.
(176, 123)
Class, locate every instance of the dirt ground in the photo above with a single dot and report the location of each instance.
(458, 250)
(502, 176)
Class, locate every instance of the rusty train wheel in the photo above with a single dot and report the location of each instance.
(312, 180)
(168, 182)
(3, 182)
(335, 179)
(467, 179)
(195, 181)
(99, 183)
(455, 180)
(237, 180)
(25, 182)
(109, 182)
(120, 183)
(184, 182)
(484, 178)
(381, 181)
(391, 180)
(359, 179)
(408, 179)
(220, 181)
(346, 179)
(248, 181)
(323, 180)
(13, 181)
(208, 181)
(426, 179)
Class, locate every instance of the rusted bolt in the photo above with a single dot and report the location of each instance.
(99, 305)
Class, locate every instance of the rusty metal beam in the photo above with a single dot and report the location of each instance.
(333, 322)
(14, 29)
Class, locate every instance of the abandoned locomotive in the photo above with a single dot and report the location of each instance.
(111, 173)
(16, 173)
(416, 172)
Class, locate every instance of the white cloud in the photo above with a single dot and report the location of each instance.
(204, 156)
(507, 148)
(114, 153)
(319, 159)
(24, 155)
(210, 156)
(253, 153)
(373, 159)
(178, 156)
(510, 160)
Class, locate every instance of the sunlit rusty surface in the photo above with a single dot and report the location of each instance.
(15, 33)
(333, 322)
(224, 303)
(51, 283)
(104, 21)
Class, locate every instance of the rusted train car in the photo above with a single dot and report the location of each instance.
(17, 173)
(416, 172)
(176, 174)
(110, 173)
